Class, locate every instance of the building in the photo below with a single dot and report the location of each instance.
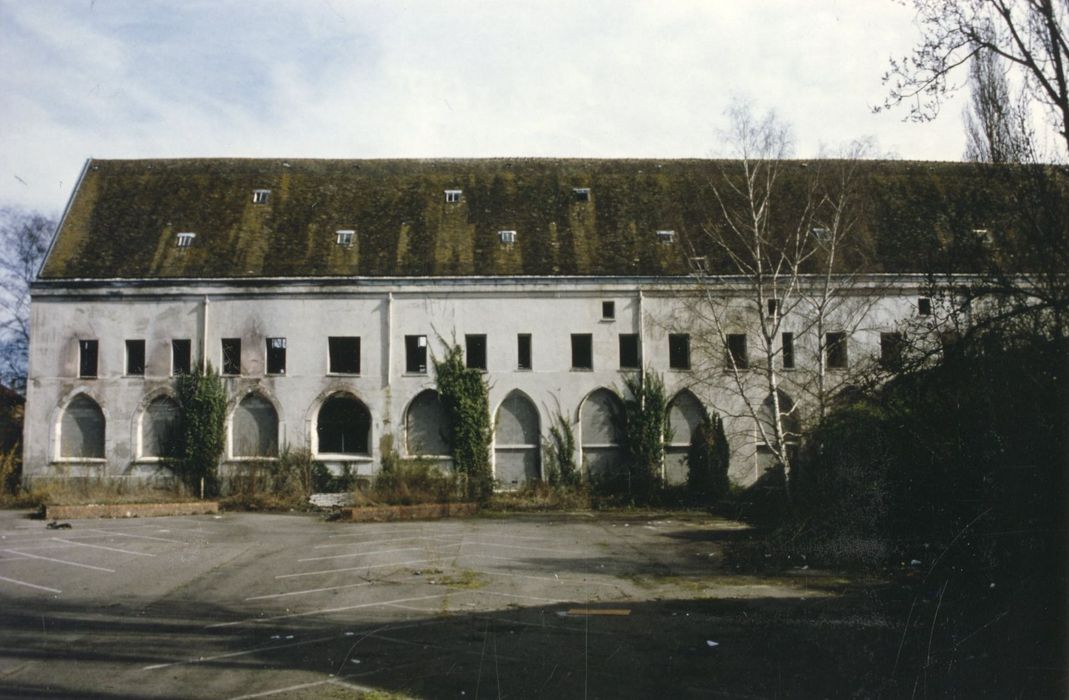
(322, 289)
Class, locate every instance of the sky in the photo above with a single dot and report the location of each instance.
(420, 79)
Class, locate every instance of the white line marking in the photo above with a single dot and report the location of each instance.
(232, 654)
(310, 590)
(483, 543)
(302, 686)
(576, 582)
(386, 541)
(360, 568)
(30, 585)
(61, 561)
(323, 611)
(100, 546)
(524, 597)
(364, 554)
(142, 537)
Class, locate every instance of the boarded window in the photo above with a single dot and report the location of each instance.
(679, 351)
(629, 352)
(517, 441)
(787, 345)
(135, 358)
(416, 354)
(344, 426)
(276, 355)
(475, 351)
(181, 355)
(582, 351)
(87, 358)
(736, 351)
(835, 350)
(344, 354)
(523, 351)
(425, 426)
(159, 428)
(598, 418)
(81, 431)
(231, 355)
(255, 428)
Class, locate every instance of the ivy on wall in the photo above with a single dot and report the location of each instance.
(643, 430)
(464, 396)
(202, 401)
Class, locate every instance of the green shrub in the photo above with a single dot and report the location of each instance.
(708, 460)
(463, 394)
(643, 430)
(414, 481)
(559, 453)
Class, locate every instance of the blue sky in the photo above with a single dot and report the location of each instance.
(466, 78)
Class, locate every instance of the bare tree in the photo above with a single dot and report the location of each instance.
(24, 239)
(784, 238)
(1029, 35)
(997, 127)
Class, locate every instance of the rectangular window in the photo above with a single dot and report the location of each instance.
(260, 196)
(231, 355)
(736, 351)
(608, 310)
(345, 238)
(185, 239)
(87, 358)
(679, 351)
(523, 351)
(344, 354)
(135, 358)
(507, 238)
(629, 355)
(416, 354)
(835, 350)
(773, 307)
(666, 236)
(582, 351)
(787, 343)
(892, 347)
(181, 355)
(452, 196)
(924, 306)
(475, 351)
(582, 194)
(276, 355)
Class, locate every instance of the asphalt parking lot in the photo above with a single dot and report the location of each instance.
(290, 606)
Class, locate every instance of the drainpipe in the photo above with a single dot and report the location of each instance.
(204, 337)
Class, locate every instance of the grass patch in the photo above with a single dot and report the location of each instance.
(465, 579)
(84, 491)
(412, 482)
(538, 496)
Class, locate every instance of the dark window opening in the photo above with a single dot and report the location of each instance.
(475, 351)
(276, 355)
(924, 306)
(679, 351)
(231, 355)
(523, 351)
(87, 358)
(344, 355)
(135, 358)
(773, 307)
(835, 350)
(788, 350)
(416, 354)
(582, 194)
(629, 353)
(736, 351)
(343, 426)
(582, 351)
(892, 349)
(181, 355)
(608, 310)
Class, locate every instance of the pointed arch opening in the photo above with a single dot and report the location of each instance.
(82, 429)
(517, 441)
(254, 428)
(598, 420)
(426, 426)
(685, 414)
(160, 423)
(343, 426)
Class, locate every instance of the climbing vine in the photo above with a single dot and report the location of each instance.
(463, 394)
(202, 401)
(559, 451)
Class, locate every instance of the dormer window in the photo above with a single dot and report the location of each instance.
(452, 196)
(698, 265)
(506, 237)
(185, 239)
(666, 236)
(821, 233)
(582, 194)
(345, 237)
(260, 196)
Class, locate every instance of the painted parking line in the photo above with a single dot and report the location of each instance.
(120, 533)
(397, 564)
(323, 611)
(484, 543)
(364, 554)
(232, 654)
(61, 561)
(29, 585)
(305, 686)
(100, 546)
(386, 541)
(310, 590)
(550, 579)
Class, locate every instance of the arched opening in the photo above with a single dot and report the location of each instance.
(765, 431)
(254, 429)
(598, 419)
(81, 432)
(343, 426)
(159, 429)
(685, 414)
(425, 426)
(517, 441)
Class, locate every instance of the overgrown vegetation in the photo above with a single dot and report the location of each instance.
(642, 427)
(708, 460)
(202, 401)
(558, 453)
(274, 484)
(463, 394)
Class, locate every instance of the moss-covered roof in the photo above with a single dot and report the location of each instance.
(125, 216)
